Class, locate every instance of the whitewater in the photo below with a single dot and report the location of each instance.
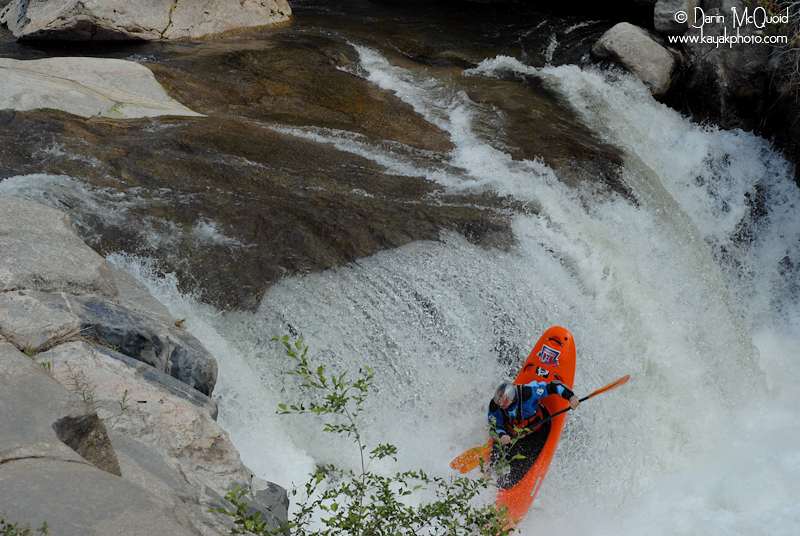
(691, 287)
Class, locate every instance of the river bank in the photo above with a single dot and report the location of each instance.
(108, 423)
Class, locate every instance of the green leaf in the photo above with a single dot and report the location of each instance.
(359, 502)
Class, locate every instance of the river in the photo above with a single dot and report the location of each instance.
(670, 250)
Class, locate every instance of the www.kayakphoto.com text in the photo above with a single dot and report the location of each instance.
(731, 40)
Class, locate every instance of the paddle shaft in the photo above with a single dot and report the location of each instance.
(557, 413)
(612, 385)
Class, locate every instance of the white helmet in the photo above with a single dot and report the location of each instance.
(505, 395)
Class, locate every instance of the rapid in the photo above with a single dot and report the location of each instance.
(687, 278)
(691, 289)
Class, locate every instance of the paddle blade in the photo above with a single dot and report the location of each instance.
(471, 459)
(610, 386)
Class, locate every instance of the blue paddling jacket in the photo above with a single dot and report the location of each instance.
(523, 410)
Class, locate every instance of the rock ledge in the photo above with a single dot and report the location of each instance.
(107, 423)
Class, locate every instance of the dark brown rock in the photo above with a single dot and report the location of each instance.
(295, 82)
(38, 413)
(86, 435)
(230, 204)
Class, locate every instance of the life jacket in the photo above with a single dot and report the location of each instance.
(516, 420)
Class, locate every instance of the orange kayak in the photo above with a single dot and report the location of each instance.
(552, 358)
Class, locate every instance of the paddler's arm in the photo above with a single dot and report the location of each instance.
(555, 387)
(496, 422)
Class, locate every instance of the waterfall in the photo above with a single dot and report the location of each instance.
(688, 284)
(690, 288)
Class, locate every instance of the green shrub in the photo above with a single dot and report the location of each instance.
(342, 502)
(9, 529)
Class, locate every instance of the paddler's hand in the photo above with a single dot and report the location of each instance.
(505, 439)
(574, 402)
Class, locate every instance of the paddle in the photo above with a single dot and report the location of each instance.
(470, 459)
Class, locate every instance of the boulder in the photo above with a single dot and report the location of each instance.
(57, 463)
(87, 87)
(666, 19)
(637, 51)
(166, 439)
(162, 382)
(96, 437)
(79, 500)
(84, 20)
(38, 321)
(58, 290)
(34, 320)
(135, 297)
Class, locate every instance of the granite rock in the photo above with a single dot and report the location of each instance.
(87, 87)
(107, 20)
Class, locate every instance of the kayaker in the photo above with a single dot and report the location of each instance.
(517, 406)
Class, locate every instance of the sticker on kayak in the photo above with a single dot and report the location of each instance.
(549, 356)
(544, 373)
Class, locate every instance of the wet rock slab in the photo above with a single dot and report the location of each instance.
(232, 202)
